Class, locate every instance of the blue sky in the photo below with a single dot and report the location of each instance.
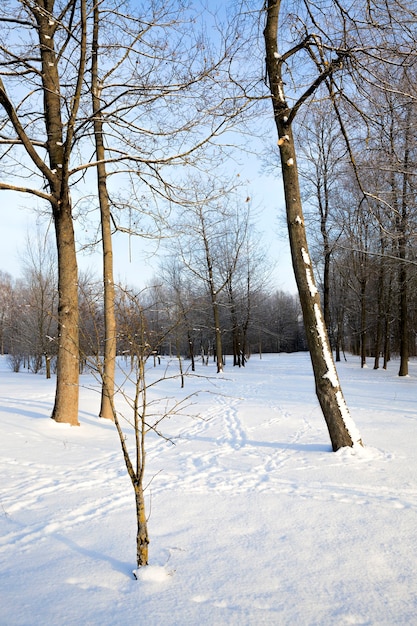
(133, 263)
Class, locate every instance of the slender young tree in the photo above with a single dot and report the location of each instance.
(110, 328)
(40, 292)
(6, 309)
(135, 405)
(340, 425)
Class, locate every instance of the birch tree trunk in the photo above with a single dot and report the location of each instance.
(341, 428)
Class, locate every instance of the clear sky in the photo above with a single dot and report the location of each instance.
(134, 264)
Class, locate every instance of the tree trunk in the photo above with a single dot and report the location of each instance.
(191, 350)
(48, 366)
(341, 428)
(324, 211)
(329, 393)
(218, 334)
(379, 312)
(237, 350)
(215, 309)
(402, 253)
(387, 326)
(67, 392)
(404, 347)
(363, 332)
(110, 330)
(142, 537)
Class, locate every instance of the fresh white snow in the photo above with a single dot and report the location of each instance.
(253, 519)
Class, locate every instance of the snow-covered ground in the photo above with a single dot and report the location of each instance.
(253, 520)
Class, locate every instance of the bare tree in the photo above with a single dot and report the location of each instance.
(136, 407)
(45, 73)
(6, 309)
(248, 278)
(40, 283)
(322, 165)
(181, 293)
(210, 237)
(159, 107)
(110, 329)
(340, 425)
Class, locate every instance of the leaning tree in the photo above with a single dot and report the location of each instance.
(325, 61)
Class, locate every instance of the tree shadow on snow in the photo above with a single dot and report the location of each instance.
(44, 408)
(283, 445)
(275, 445)
(119, 566)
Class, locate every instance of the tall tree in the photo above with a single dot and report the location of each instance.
(110, 328)
(50, 62)
(340, 425)
(158, 102)
(321, 149)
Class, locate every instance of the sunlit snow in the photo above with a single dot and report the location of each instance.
(253, 520)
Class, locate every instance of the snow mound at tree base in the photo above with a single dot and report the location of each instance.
(152, 574)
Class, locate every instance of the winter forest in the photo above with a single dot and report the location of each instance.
(134, 118)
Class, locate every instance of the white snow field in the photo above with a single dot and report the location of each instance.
(252, 518)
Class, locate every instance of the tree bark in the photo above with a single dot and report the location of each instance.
(324, 213)
(217, 331)
(363, 334)
(341, 428)
(59, 150)
(67, 375)
(110, 331)
(402, 254)
(213, 298)
(142, 537)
